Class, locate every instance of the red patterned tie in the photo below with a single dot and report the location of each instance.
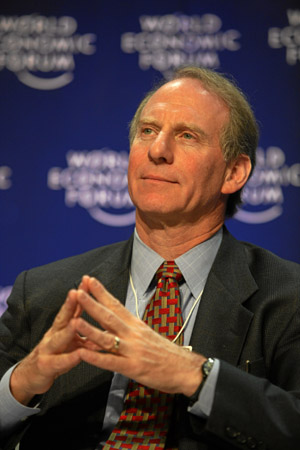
(144, 422)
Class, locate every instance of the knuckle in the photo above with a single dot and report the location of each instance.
(108, 341)
(110, 319)
(115, 302)
(80, 324)
(58, 319)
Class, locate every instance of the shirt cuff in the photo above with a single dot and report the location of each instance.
(203, 406)
(12, 412)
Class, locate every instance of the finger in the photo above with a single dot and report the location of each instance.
(66, 312)
(90, 346)
(60, 341)
(100, 293)
(66, 341)
(81, 341)
(78, 311)
(108, 361)
(106, 299)
(84, 287)
(104, 316)
(102, 339)
(84, 283)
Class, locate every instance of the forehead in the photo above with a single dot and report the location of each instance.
(186, 99)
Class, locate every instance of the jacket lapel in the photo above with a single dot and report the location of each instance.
(222, 320)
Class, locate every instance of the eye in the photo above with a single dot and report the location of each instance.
(146, 131)
(188, 135)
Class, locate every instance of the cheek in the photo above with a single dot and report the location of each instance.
(195, 171)
(130, 174)
(204, 177)
(138, 157)
(134, 158)
(133, 165)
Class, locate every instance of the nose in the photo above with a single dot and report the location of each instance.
(161, 149)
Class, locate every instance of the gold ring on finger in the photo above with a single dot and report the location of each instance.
(116, 343)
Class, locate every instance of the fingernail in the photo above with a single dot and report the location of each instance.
(94, 281)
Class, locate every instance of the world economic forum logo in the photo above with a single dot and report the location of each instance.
(287, 37)
(172, 40)
(5, 177)
(263, 196)
(96, 180)
(40, 50)
(4, 294)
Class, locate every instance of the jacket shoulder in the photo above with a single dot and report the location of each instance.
(88, 260)
(264, 261)
(52, 281)
(258, 259)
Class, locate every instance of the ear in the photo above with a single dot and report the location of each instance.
(237, 174)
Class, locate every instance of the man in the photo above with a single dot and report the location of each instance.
(66, 363)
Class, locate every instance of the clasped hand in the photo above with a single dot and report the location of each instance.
(142, 354)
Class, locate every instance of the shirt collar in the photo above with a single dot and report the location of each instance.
(195, 264)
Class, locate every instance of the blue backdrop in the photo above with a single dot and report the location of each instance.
(71, 75)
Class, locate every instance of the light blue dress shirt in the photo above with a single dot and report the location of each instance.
(195, 266)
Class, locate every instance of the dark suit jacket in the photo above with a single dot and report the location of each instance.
(248, 318)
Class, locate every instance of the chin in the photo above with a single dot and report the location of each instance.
(158, 212)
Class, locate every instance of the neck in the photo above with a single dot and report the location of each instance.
(172, 241)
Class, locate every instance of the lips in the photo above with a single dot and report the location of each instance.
(151, 177)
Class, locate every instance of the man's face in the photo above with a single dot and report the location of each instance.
(176, 166)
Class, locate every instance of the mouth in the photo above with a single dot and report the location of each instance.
(157, 178)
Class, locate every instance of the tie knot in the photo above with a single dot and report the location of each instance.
(169, 269)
